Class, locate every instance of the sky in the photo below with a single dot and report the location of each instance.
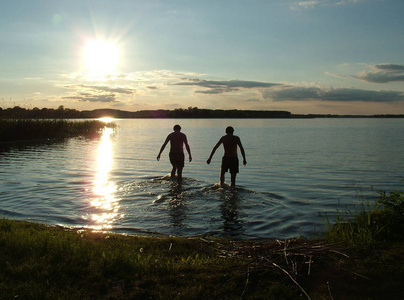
(315, 56)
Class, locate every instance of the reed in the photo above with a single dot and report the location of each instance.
(30, 129)
(380, 221)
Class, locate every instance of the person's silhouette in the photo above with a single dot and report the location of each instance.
(177, 141)
(230, 159)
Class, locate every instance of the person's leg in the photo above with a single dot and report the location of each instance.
(233, 171)
(179, 173)
(222, 172)
(233, 179)
(173, 171)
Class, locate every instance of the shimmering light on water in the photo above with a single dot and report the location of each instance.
(105, 203)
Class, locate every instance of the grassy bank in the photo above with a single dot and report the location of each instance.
(27, 129)
(359, 258)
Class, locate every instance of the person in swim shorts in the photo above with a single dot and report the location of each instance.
(230, 158)
(177, 141)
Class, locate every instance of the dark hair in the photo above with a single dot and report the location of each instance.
(229, 129)
(177, 127)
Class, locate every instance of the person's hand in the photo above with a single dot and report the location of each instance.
(244, 162)
(158, 157)
(190, 158)
(208, 161)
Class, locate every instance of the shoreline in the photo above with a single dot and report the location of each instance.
(83, 264)
(179, 113)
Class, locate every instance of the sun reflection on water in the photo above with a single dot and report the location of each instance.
(105, 204)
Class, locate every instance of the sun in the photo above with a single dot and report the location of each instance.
(100, 57)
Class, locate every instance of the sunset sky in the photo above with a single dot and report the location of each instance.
(318, 56)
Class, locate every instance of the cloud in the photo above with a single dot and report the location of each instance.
(253, 100)
(97, 93)
(109, 89)
(332, 94)
(390, 67)
(316, 3)
(93, 98)
(381, 73)
(305, 4)
(219, 87)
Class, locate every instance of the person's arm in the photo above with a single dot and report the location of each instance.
(213, 151)
(162, 147)
(188, 149)
(242, 151)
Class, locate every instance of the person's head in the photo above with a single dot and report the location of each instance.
(229, 130)
(177, 127)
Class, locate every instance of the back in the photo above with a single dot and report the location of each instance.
(230, 143)
(177, 140)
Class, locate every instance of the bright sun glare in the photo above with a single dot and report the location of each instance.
(100, 56)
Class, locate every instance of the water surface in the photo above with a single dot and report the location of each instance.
(296, 170)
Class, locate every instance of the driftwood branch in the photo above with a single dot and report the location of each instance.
(286, 272)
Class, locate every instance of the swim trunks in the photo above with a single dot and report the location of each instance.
(177, 159)
(231, 163)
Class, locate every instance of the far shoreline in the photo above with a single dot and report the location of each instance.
(180, 113)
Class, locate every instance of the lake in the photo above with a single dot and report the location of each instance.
(297, 170)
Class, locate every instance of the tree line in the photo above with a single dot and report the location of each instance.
(61, 112)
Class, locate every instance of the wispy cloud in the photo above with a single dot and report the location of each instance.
(118, 90)
(92, 98)
(317, 3)
(381, 73)
(219, 87)
(132, 88)
(332, 94)
(96, 93)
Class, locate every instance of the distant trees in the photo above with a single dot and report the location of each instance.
(18, 112)
(61, 112)
(196, 113)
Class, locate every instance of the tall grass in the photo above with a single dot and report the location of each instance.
(29, 129)
(377, 222)
(41, 262)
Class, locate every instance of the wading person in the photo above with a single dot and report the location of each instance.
(177, 141)
(230, 159)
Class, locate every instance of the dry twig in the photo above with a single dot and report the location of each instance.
(286, 272)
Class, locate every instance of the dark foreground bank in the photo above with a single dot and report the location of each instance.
(42, 262)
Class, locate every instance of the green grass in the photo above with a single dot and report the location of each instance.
(27, 129)
(382, 221)
(45, 262)
(41, 262)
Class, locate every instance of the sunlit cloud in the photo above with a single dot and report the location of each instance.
(92, 98)
(219, 87)
(118, 90)
(94, 93)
